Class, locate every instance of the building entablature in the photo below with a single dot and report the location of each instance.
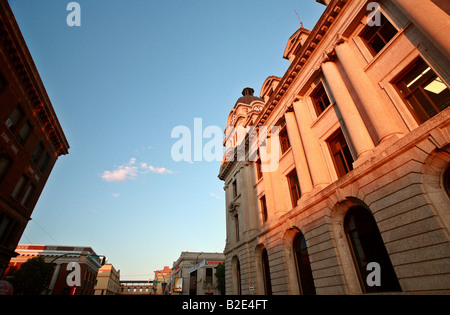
(24, 68)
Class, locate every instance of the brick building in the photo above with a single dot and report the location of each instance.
(31, 138)
(61, 257)
(360, 181)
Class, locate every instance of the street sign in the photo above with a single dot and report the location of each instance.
(251, 286)
(197, 266)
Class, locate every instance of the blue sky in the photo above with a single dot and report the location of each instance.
(120, 83)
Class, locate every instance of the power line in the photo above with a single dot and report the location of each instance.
(40, 226)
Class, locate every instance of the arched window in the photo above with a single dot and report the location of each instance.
(266, 271)
(304, 272)
(367, 246)
(238, 278)
(446, 181)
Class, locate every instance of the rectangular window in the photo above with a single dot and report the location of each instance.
(234, 189)
(27, 195)
(14, 119)
(5, 163)
(284, 138)
(294, 187)
(263, 203)
(44, 163)
(17, 192)
(341, 154)
(236, 227)
(376, 37)
(424, 93)
(24, 132)
(2, 83)
(259, 173)
(37, 153)
(320, 99)
(7, 226)
(209, 275)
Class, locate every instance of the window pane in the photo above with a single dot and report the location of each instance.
(376, 37)
(24, 132)
(424, 92)
(2, 82)
(44, 163)
(19, 187)
(342, 156)
(305, 277)
(27, 195)
(320, 99)
(15, 118)
(37, 153)
(367, 246)
(266, 270)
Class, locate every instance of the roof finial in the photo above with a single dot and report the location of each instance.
(301, 23)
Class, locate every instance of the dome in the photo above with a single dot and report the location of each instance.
(248, 98)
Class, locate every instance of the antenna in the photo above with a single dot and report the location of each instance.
(301, 23)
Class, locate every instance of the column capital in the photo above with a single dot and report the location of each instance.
(340, 39)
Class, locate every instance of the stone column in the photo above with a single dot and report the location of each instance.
(268, 186)
(375, 108)
(301, 164)
(431, 20)
(360, 138)
(252, 203)
(314, 155)
(54, 278)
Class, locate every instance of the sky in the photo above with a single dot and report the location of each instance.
(120, 83)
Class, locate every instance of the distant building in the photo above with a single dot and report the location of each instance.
(61, 257)
(108, 281)
(163, 281)
(136, 287)
(31, 138)
(194, 273)
(360, 185)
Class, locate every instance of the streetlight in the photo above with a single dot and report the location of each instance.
(163, 285)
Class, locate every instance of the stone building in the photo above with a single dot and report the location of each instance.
(358, 200)
(108, 281)
(194, 273)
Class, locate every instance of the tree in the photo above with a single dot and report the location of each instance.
(32, 278)
(220, 275)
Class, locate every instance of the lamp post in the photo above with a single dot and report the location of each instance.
(163, 284)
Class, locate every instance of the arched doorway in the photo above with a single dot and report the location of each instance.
(303, 264)
(266, 272)
(367, 246)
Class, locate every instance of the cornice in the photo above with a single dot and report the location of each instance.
(325, 22)
(14, 47)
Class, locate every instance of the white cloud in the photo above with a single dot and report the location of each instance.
(122, 173)
(116, 195)
(213, 195)
(157, 170)
(131, 171)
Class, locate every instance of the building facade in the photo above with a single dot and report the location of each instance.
(162, 282)
(357, 198)
(136, 287)
(62, 257)
(108, 281)
(31, 137)
(194, 273)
